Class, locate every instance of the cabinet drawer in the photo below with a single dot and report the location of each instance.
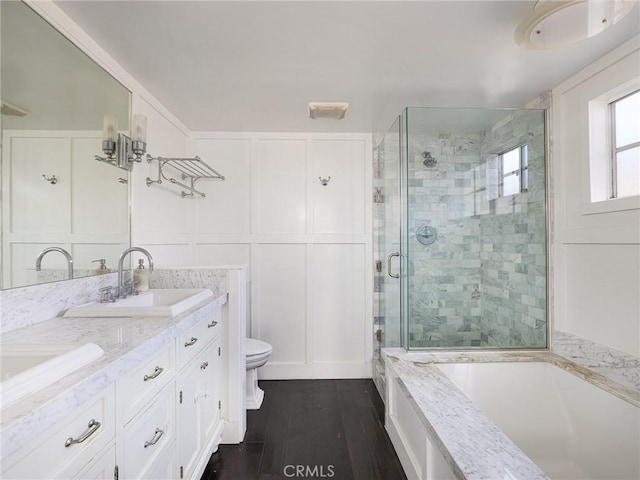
(148, 437)
(191, 342)
(69, 446)
(144, 382)
(103, 468)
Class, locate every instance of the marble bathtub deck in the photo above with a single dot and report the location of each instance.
(473, 445)
(126, 342)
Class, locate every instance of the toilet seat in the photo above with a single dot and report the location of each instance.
(257, 352)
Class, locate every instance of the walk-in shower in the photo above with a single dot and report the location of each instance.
(461, 230)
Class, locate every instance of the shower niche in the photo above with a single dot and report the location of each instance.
(465, 209)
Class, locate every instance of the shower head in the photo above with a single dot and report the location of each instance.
(429, 161)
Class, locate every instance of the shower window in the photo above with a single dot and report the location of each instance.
(625, 146)
(514, 171)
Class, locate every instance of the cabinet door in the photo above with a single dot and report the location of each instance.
(210, 397)
(188, 417)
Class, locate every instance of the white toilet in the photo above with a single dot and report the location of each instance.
(257, 353)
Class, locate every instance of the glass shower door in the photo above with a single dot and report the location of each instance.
(389, 253)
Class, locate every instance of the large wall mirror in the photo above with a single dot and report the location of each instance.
(54, 193)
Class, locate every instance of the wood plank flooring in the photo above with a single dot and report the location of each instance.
(312, 429)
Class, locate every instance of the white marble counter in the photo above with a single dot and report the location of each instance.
(126, 342)
(622, 368)
(472, 444)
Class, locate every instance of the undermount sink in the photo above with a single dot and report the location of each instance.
(26, 368)
(152, 303)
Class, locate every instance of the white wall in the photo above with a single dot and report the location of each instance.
(596, 245)
(161, 220)
(308, 246)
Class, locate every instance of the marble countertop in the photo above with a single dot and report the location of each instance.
(126, 342)
(472, 444)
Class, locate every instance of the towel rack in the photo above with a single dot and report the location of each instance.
(190, 171)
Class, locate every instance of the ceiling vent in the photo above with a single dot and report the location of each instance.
(12, 110)
(333, 110)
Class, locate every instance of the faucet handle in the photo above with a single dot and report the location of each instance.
(106, 295)
(129, 288)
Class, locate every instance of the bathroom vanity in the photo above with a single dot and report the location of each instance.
(152, 406)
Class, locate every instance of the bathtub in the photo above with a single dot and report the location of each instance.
(570, 428)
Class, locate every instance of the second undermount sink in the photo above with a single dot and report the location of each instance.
(153, 303)
(26, 368)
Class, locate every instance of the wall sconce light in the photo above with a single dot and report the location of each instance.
(119, 149)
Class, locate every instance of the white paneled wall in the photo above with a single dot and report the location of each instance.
(214, 217)
(338, 295)
(307, 246)
(281, 186)
(597, 244)
(338, 206)
(280, 314)
(162, 220)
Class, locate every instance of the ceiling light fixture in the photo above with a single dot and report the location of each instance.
(332, 110)
(554, 23)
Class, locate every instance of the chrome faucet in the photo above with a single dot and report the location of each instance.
(121, 293)
(55, 249)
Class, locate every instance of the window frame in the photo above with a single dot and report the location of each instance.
(613, 149)
(523, 166)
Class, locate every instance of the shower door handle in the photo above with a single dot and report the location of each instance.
(391, 255)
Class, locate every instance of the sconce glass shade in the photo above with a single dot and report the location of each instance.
(109, 128)
(139, 129)
(554, 23)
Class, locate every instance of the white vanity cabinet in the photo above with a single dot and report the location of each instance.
(82, 445)
(160, 420)
(199, 401)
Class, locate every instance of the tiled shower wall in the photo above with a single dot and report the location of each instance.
(444, 277)
(482, 283)
(513, 235)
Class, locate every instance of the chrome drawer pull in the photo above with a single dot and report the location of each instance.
(204, 365)
(156, 436)
(91, 429)
(212, 324)
(157, 371)
(191, 342)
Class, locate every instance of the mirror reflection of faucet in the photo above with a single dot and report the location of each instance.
(55, 249)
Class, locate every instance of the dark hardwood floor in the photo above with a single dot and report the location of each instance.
(312, 429)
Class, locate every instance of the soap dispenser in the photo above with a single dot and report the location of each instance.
(102, 269)
(141, 277)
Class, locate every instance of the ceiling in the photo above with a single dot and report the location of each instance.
(254, 65)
